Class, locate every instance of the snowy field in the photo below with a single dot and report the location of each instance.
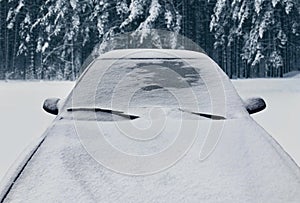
(23, 120)
(281, 118)
(21, 116)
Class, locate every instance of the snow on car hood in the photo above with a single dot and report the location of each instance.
(247, 165)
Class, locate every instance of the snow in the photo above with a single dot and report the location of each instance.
(292, 74)
(258, 5)
(73, 4)
(258, 57)
(274, 2)
(145, 26)
(22, 118)
(280, 119)
(224, 176)
(136, 9)
(289, 6)
(117, 86)
(168, 18)
(46, 45)
(122, 8)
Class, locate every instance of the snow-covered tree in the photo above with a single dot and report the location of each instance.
(68, 26)
(142, 20)
(50, 39)
(21, 15)
(72, 28)
(263, 27)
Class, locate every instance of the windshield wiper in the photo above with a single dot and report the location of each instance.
(210, 116)
(129, 116)
(110, 111)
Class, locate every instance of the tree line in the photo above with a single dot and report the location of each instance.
(51, 39)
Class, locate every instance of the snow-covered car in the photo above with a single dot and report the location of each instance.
(147, 125)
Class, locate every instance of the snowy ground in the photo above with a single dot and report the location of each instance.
(23, 120)
(21, 116)
(281, 119)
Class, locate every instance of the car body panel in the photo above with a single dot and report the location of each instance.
(62, 170)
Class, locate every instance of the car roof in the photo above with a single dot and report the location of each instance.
(151, 53)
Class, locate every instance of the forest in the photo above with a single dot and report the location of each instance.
(51, 39)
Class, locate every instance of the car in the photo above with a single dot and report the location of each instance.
(153, 125)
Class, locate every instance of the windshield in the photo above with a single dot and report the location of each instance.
(135, 83)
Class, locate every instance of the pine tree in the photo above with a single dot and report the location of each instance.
(262, 26)
(19, 20)
(142, 20)
(51, 39)
(72, 29)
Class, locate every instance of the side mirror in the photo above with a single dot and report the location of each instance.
(254, 105)
(50, 105)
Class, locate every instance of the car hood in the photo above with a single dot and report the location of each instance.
(246, 164)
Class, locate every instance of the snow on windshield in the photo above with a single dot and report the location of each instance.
(121, 84)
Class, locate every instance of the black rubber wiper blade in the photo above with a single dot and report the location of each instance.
(110, 111)
(206, 115)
